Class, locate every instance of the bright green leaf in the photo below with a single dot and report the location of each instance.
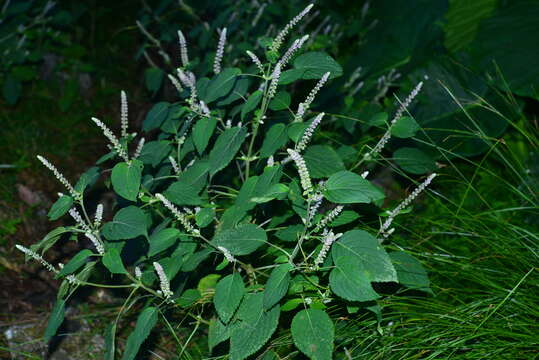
(350, 281)
(313, 333)
(315, 64)
(113, 261)
(277, 285)
(145, 323)
(162, 240)
(60, 207)
(275, 138)
(242, 240)
(225, 148)
(202, 132)
(55, 320)
(126, 178)
(128, 223)
(405, 127)
(228, 294)
(346, 187)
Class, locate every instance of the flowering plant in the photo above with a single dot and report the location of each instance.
(220, 217)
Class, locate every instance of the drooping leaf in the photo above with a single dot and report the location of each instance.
(162, 240)
(313, 333)
(222, 84)
(88, 178)
(128, 223)
(344, 218)
(110, 343)
(204, 217)
(181, 193)
(281, 101)
(315, 64)
(153, 78)
(241, 240)
(410, 272)
(202, 132)
(346, 187)
(60, 207)
(188, 297)
(366, 250)
(55, 320)
(255, 327)
(155, 117)
(153, 152)
(322, 161)
(113, 261)
(405, 127)
(217, 333)
(350, 280)
(225, 148)
(252, 102)
(145, 323)
(125, 179)
(274, 140)
(228, 294)
(76, 262)
(277, 285)
(413, 160)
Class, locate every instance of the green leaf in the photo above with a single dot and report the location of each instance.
(181, 193)
(204, 217)
(11, 90)
(366, 250)
(322, 161)
(126, 178)
(350, 280)
(208, 283)
(49, 240)
(76, 262)
(277, 285)
(252, 102)
(345, 187)
(88, 178)
(225, 148)
(410, 272)
(315, 64)
(228, 294)
(290, 233)
(113, 261)
(275, 138)
(281, 101)
(414, 161)
(60, 207)
(238, 91)
(222, 84)
(276, 191)
(202, 132)
(145, 323)
(196, 175)
(110, 346)
(463, 19)
(55, 320)
(255, 327)
(162, 240)
(242, 240)
(156, 116)
(153, 78)
(128, 223)
(153, 152)
(217, 333)
(405, 127)
(313, 333)
(189, 297)
(344, 218)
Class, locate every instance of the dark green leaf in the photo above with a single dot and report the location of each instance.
(275, 138)
(345, 187)
(156, 116)
(12, 89)
(162, 240)
(242, 240)
(313, 333)
(60, 207)
(405, 127)
(225, 148)
(55, 320)
(202, 132)
(76, 262)
(410, 272)
(204, 217)
(153, 78)
(222, 84)
(145, 323)
(125, 179)
(315, 64)
(350, 280)
(252, 102)
(281, 101)
(322, 161)
(181, 193)
(113, 261)
(414, 161)
(128, 223)
(277, 285)
(153, 152)
(228, 294)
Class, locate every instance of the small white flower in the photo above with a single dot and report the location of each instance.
(61, 178)
(98, 245)
(98, 215)
(220, 52)
(296, 45)
(270, 161)
(183, 49)
(308, 134)
(138, 272)
(329, 218)
(393, 213)
(274, 81)
(328, 239)
(163, 280)
(304, 106)
(278, 41)
(78, 219)
(256, 60)
(138, 150)
(37, 257)
(304, 176)
(175, 166)
(227, 254)
(182, 218)
(113, 139)
(124, 119)
(365, 174)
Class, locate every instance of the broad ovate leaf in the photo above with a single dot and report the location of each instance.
(313, 333)
(346, 187)
(228, 294)
(241, 240)
(126, 178)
